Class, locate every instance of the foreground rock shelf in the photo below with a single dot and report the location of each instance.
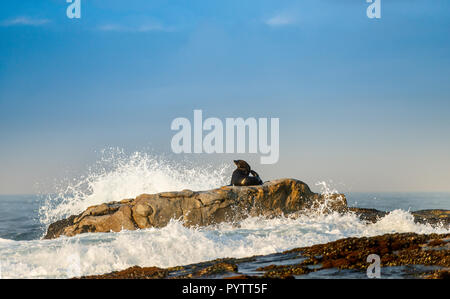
(229, 203)
(406, 255)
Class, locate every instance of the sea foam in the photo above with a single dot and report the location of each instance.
(176, 244)
(118, 176)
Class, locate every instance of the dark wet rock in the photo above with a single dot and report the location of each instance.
(135, 272)
(432, 216)
(229, 203)
(393, 249)
(211, 269)
(241, 277)
(54, 230)
(440, 274)
(370, 215)
(283, 271)
(435, 217)
(219, 268)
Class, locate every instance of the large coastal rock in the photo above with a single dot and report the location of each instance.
(229, 203)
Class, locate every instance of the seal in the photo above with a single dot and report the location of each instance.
(241, 176)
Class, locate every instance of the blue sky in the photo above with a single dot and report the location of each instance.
(362, 102)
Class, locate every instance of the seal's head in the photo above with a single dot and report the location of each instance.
(242, 165)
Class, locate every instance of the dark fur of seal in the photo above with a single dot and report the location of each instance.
(241, 176)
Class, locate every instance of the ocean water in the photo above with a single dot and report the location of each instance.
(24, 219)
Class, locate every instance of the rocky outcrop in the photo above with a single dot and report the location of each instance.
(229, 203)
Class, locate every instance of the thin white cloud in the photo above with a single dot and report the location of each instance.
(152, 27)
(25, 21)
(280, 20)
(111, 27)
(140, 28)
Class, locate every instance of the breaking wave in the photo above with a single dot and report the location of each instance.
(118, 176)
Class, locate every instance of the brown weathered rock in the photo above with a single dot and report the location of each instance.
(394, 249)
(432, 216)
(135, 272)
(229, 203)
